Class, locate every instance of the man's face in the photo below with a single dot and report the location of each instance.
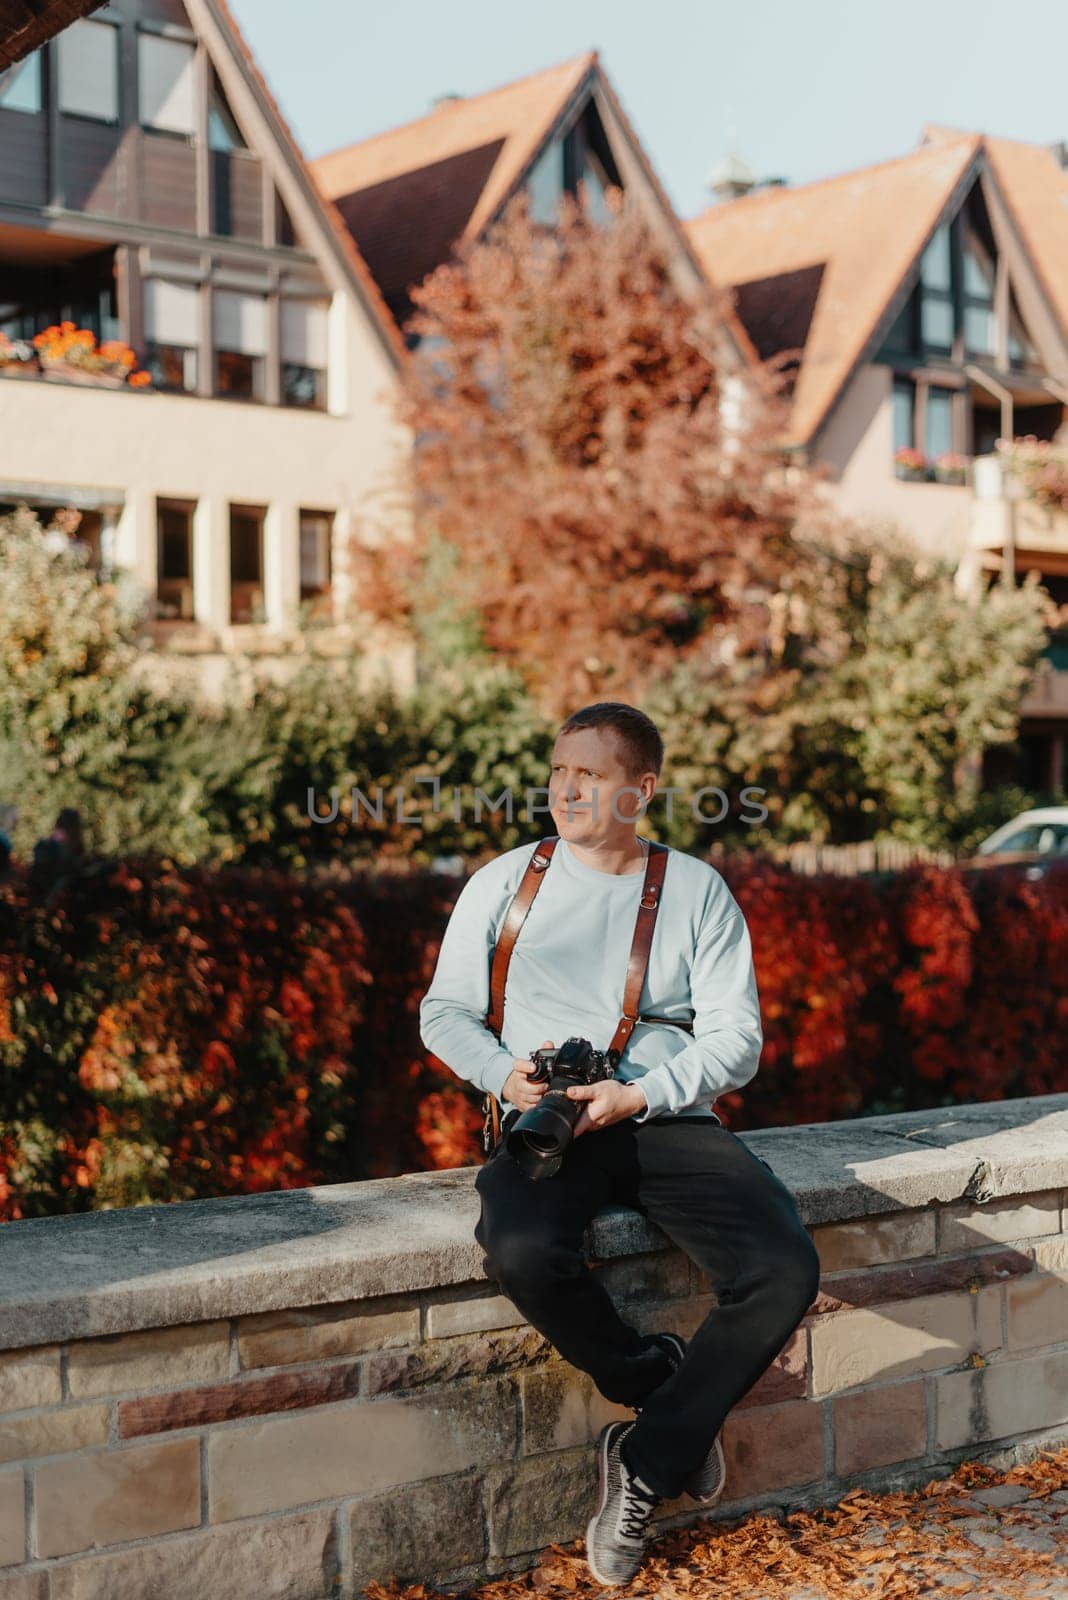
(585, 769)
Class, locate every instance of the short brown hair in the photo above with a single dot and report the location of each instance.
(641, 748)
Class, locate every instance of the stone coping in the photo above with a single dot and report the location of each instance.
(108, 1272)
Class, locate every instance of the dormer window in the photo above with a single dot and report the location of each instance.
(952, 314)
(582, 154)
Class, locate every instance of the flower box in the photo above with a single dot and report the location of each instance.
(910, 464)
(18, 358)
(66, 372)
(950, 468)
(69, 354)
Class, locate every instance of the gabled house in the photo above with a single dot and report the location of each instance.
(410, 195)
(919, 309)
(152, 196)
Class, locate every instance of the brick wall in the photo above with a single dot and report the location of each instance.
(301, 1441)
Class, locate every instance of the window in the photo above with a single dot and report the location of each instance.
(1040, 838)
(938, 422)
(979, 325)
(238, 376)
(240, 332)
(89, 70)
(303, 386)
(246, 563)
(936, 293)
(284, 231)
(80, 290)
(938, 426)
(1021, 350)
(953, 309)
(174, 559)
(172, 333)
(166, 84)
(223, 132)
(316, 534)
(20, 85)
(902, 338)
(545, 184)
(904, 404)
(303, 335)
(595, 181)
(588, 159)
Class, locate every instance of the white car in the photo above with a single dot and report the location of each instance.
(1039, 835)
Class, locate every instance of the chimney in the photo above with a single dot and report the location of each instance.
(731, 177)
(440, 100)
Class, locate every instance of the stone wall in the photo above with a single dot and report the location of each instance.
(294, 1393)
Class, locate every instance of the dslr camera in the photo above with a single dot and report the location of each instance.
(538, 1138)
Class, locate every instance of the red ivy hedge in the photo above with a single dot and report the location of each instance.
(168, 1035)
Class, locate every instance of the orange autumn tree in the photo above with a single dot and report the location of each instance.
(574, 460)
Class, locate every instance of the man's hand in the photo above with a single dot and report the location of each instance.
(516, 1088)
(606, 1102)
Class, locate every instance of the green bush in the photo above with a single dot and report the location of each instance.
(78, 727)
(318, 736)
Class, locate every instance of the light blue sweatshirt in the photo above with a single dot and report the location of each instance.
(568, 970)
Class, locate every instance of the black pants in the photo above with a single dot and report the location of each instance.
(722, 1205)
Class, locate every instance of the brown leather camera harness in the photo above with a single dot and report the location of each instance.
(641, 944)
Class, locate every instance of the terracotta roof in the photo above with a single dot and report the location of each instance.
(25, 27)
(865, 229)
(364, 280)
(1034, 187)
(514, 119)
(409, 195)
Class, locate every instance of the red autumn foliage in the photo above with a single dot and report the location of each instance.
(167, 1034)
(170, 1034)
(576, 450)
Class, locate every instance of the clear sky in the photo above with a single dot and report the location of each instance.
(810, 87)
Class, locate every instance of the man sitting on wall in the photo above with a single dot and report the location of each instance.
(646, 1137)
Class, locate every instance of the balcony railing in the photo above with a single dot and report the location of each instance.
(1004, 512)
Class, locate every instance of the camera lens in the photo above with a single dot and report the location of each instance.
(540, 1141)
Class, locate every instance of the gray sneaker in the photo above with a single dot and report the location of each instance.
(617, 1531)
(707, 1483)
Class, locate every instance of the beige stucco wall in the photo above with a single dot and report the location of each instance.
(131, 446)
(857, 444)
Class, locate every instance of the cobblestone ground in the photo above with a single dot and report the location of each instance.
(978, 1535)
